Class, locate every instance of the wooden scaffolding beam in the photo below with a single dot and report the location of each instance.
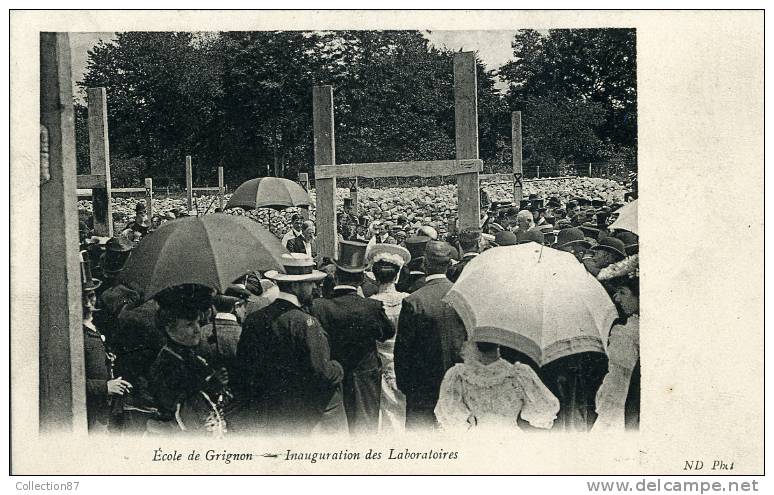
(62, 392)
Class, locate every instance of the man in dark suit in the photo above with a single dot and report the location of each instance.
(412, 276)
(429, 340)
(354, 324)
(470, 244)
(285, 379)
(306, 242)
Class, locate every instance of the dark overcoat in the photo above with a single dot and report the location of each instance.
(429, 342)
(354, 325)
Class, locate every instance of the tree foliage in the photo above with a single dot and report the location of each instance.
(243, 100)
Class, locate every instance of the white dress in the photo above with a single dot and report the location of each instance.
(392, 408)
(477, 395)
(623, 350)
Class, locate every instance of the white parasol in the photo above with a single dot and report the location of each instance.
(535, 299)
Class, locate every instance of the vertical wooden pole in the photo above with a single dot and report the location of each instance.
(538, 171)
(325, 154)
(589, 170)
(62, 391)
(220, 188)
(353, 195)
(518, 171)
(149, 197)
(99, 153)
(466, 132)
(189, 183)
(303, 179)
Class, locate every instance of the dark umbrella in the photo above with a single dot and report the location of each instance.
(269, 192)
(213, 250)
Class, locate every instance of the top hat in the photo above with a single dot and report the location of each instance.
(299, 267)
(438, 252)
(613, 245)
(88, 283)
(416, 245)
(571, 236)
(524, 204)
(389, 253)
(533, 196)
(347, 201)
(351, 257)
(536, 204)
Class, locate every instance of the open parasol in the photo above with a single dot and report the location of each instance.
(535, 299)
(269, 192)
(213, 250)
(627, 218)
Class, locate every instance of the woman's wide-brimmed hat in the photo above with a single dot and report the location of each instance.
(389, 253)
(299, 267)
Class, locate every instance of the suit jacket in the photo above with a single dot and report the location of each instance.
(454, 271)
(429, 342)
(136, 342)
(284, 366)
(97, 376)
(354, 324)
(296, 245)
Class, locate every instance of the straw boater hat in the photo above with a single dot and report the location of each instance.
(390, 253)
(299, 267)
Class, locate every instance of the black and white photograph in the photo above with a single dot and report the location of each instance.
(307, 246)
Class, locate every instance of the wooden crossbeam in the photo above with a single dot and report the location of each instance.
(91, 181)
(432, 168)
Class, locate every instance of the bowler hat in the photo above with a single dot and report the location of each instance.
(613, 245)
(532, 235)
(505, 238)
(438, 253)
(416, 245)
(571, 236)
(119, 245)
(351, 257)
(140, 207)
(554, 202)
(237, 291)
(470, 235)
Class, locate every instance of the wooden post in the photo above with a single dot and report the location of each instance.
(466, 132)
(589, 170)
(303, 179)
(62, 385)
(518, 171)
(220, 188)
(538, 171)
(325, 154)
(189, 183)
(99, 153)
(149, 197)
(353, 195)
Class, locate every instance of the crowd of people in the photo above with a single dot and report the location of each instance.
(359, 344)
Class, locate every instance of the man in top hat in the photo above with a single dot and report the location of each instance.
(412, 275)
(101, 386)
(354, 325)
(115, 296)
(296, 229)
(286, 379)
(429, 340)
(609, 250)
(349, 211)
(573, 241)
(470, 245)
